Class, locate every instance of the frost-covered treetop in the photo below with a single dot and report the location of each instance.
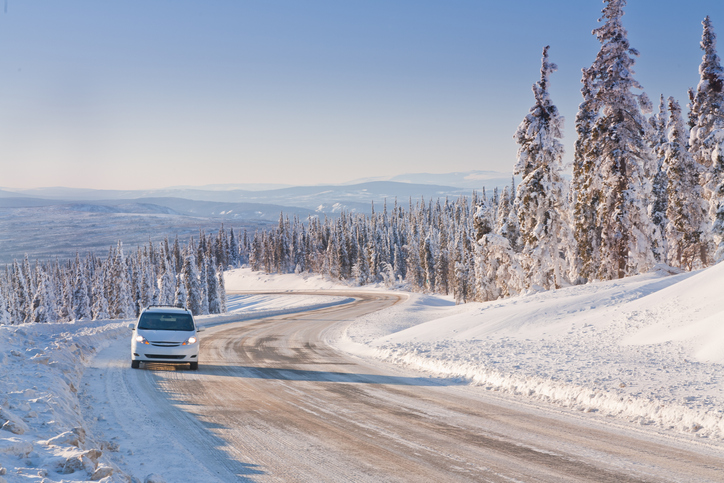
(614, 62)
(540, 130)
(712, 74)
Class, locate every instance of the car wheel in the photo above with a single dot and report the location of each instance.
(135, 364)
(194, 365)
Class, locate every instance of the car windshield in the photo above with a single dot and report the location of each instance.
(160, 321)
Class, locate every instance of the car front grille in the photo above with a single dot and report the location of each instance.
(166, 344)
(162, 356)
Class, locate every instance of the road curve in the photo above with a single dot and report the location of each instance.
(275, 403)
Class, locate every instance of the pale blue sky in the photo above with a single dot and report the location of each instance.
(136, 94)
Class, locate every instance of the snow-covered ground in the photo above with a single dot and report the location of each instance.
(648, 350)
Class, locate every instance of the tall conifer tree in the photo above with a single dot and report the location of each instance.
(706, 137)
(621, 155)
(541, 197)
(686, 210)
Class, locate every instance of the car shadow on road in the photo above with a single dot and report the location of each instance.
(284, 374)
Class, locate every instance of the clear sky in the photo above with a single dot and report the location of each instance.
(135, 94)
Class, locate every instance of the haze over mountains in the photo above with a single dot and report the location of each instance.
(58, 221)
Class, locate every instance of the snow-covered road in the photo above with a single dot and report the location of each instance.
(273, 402)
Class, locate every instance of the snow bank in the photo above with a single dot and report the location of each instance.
(43, 431)
(647, 349)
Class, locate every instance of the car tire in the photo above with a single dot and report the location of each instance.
(135, 364)
(194, 365)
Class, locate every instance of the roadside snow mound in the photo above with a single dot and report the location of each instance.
(648, 349)
(43, 432)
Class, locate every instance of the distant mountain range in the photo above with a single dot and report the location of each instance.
(325, 199)
(50, 222)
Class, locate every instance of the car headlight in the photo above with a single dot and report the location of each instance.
(189, 341)
(141, 339)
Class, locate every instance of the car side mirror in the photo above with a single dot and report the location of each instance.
(199, 329)
(131, 326)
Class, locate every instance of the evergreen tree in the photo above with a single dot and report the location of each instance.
(222, 291)
(234, 250)
(442, 269)
(586, 185)
(180, 294)
(541, 198)
(428, 262)
(623, 157)
(707, 132)
(5, 317)
(122, 305)
(191, 279)
(166, 283)
(23, 306)
(659, 183)
(707, 104)
(506, 219)
(204, 283)
(100, 309)
(686, 210)
(214, 303)
(81, 302)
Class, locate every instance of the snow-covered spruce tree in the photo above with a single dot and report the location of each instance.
(659, 183)
(22, 310)
(4, 304)
(81, 302)
(586, 186)
(506, 218)
(707, 103)
(715, 187)
(462, 280)
(166, 283)
(442, 266)
(44, 303)
(541, 200)
(180, 295)
(233, 254)
(686, 208)
(222, 290)
(428, 264)
(99, 310)
(706, 137)
(204, 283)
(214, 302)
(121, 303)
(497, 269)
(622, 156)
(191, 280)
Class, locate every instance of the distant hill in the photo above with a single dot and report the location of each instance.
(58, 221)
(326, 199)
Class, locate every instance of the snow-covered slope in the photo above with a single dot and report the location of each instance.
(648, 349)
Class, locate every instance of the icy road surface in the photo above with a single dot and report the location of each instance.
(272, 401)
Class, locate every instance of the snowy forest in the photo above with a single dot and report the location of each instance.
(647, 188)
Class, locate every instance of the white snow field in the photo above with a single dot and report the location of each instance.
(647, 350)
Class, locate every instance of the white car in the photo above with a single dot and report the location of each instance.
(165, 334)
